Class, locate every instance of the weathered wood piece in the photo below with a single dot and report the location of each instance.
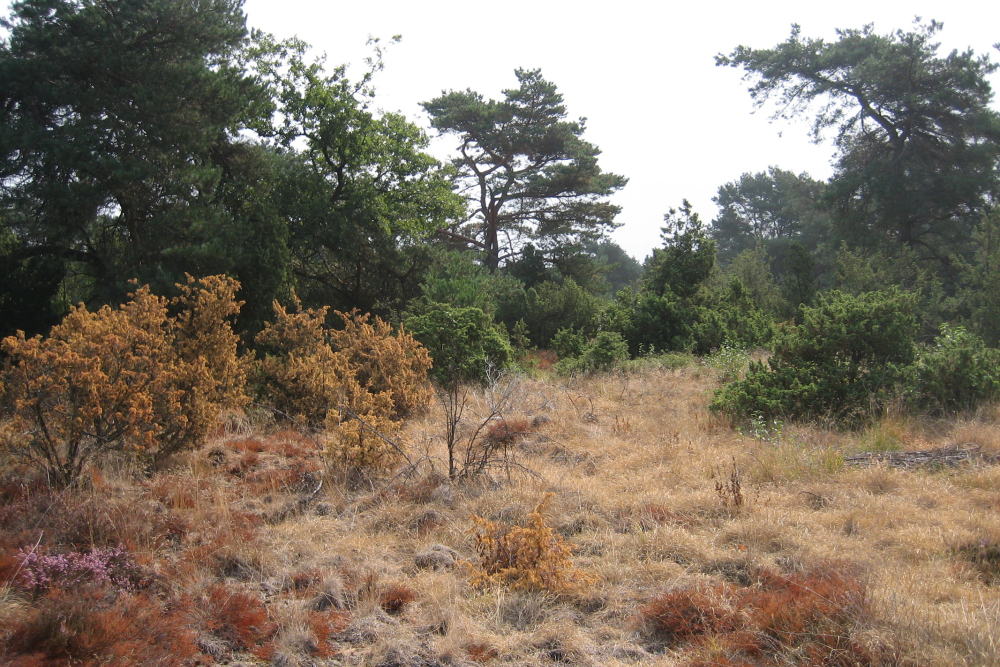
(942, 457)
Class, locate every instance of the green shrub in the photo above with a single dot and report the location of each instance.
(845, 357)
(461, 341)
(729, 361)
(660, 323)
(569, 343)
(957, 372)
(551, 307)
(712, 318)
(603, 352)
(459, 281)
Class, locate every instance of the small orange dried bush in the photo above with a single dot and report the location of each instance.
(532, 557)
(130, 378)
(507, 431)
(358, 382)
(395, 597)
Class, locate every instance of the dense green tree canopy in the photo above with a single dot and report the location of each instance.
(112, 115)
(527, 171)
(687, 256)
(764, 207)
(360, 193)
(149, 138)
(918, 145)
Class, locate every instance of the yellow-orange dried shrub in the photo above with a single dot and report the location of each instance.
(358, 382)
(126, 378)
(532, 557)
(385, 361)
(204, 371)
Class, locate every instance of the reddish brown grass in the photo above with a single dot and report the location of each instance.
(92, 627)
(814, 615)
(507, 431)
(237, 617)
(395, 597)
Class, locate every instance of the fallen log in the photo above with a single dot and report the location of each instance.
(942, 457)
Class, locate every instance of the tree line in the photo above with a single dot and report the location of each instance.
(145, 140)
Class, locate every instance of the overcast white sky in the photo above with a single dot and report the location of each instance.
(642, 73)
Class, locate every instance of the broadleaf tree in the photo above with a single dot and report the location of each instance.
(359, 189)
(526, 169)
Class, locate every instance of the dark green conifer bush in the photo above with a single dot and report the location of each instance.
(603, 352)
(846, 357)
(957, 372)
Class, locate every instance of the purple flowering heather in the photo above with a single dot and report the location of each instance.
(114, 567)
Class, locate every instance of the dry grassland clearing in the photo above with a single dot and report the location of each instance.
(630, 527)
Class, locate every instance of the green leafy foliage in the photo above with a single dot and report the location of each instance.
(550, 307)
(846, 354)
(687, 256)
(569, 343)
(457, 279)
(603, 352)
(765, 209)
(110, 171)
(360, 190)
(916, 138)
(858, 271)
(981, 292)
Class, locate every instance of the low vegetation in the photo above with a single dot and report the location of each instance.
(629, 525)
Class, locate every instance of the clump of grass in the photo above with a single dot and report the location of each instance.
(730, 491)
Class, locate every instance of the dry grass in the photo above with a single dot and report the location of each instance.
(700, 546)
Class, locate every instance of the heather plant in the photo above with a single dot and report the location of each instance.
(131, 378)
(817, 614)
(113, 567)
